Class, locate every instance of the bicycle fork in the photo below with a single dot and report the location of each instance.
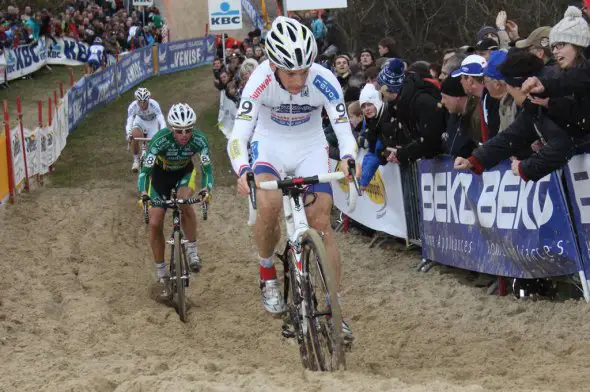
(298, 312)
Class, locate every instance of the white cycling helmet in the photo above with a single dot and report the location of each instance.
(142, 94)
(181, 116)
(290, 45)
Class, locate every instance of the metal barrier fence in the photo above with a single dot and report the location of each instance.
(412, 202)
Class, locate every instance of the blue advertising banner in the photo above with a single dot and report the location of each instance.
(24, 60)
(496, 223)
(76, 103)
(134, 68)
(66, 51)
(186, 54)
(101, 87)
(577, 174)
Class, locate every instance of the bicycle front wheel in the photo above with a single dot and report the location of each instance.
(324, 315)
(179, 267)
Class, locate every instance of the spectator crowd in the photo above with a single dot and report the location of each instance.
(102, 21)
(499, 97)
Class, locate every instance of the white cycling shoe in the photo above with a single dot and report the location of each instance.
(135, 166)
(272, 298)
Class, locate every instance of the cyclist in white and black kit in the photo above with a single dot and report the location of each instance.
(144, 119)
(281, 107)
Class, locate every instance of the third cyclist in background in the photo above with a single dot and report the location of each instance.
(144, 119)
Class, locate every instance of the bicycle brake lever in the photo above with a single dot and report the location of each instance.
(252, 186)
(352, 171)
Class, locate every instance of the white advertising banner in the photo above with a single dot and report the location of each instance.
(225, 15)
(300, 5)
(18, 157)
(48, 145)
(33, 149)
(60, 126)
(227, 114)
(26, 59)
(381, 207)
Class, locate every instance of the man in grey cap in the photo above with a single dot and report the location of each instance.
(537, 43)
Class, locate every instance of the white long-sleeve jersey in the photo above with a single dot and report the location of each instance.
(153, 112)
(294, 120)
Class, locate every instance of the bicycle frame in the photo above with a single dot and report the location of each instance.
(176, 228)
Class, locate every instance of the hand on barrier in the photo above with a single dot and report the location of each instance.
(514, 165)
(392, 157)
(462, 164)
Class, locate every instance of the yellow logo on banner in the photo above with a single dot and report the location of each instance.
(375, 191)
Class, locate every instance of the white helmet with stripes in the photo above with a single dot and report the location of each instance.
(142, 94)
(290, 45)
(181, 116)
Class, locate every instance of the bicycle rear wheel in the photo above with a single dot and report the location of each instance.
(178, 281)
(325, 317)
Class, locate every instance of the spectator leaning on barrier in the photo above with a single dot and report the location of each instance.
(377, 133)
(416, 108)
(569, 38)
(471, 74)
(531, 123)
(496, 86)
(463, 122)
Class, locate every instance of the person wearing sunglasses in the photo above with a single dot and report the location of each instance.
(168, 165)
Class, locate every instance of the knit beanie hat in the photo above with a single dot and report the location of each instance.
(572, 29)
(370, 95)
(392, 75)
(484, 31)
(452, 87)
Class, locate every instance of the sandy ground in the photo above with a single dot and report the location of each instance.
(76, 313)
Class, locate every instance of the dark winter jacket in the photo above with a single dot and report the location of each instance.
(531, 124)
(417, 110)
(569, 102)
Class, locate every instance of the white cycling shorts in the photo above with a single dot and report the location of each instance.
(151, 127)
(282, 159)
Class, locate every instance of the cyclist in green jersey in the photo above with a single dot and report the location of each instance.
(169, 165)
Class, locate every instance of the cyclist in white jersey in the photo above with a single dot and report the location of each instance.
(143, 116)
(96, 57)
(281, 106)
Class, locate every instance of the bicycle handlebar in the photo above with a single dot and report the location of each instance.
(142, 139)
(291, 182)
(300, 181)
(175, 202)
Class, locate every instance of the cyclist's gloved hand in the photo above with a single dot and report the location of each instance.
(243, 186)
(205, 193)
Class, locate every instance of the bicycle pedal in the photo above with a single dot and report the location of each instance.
(287, 332)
